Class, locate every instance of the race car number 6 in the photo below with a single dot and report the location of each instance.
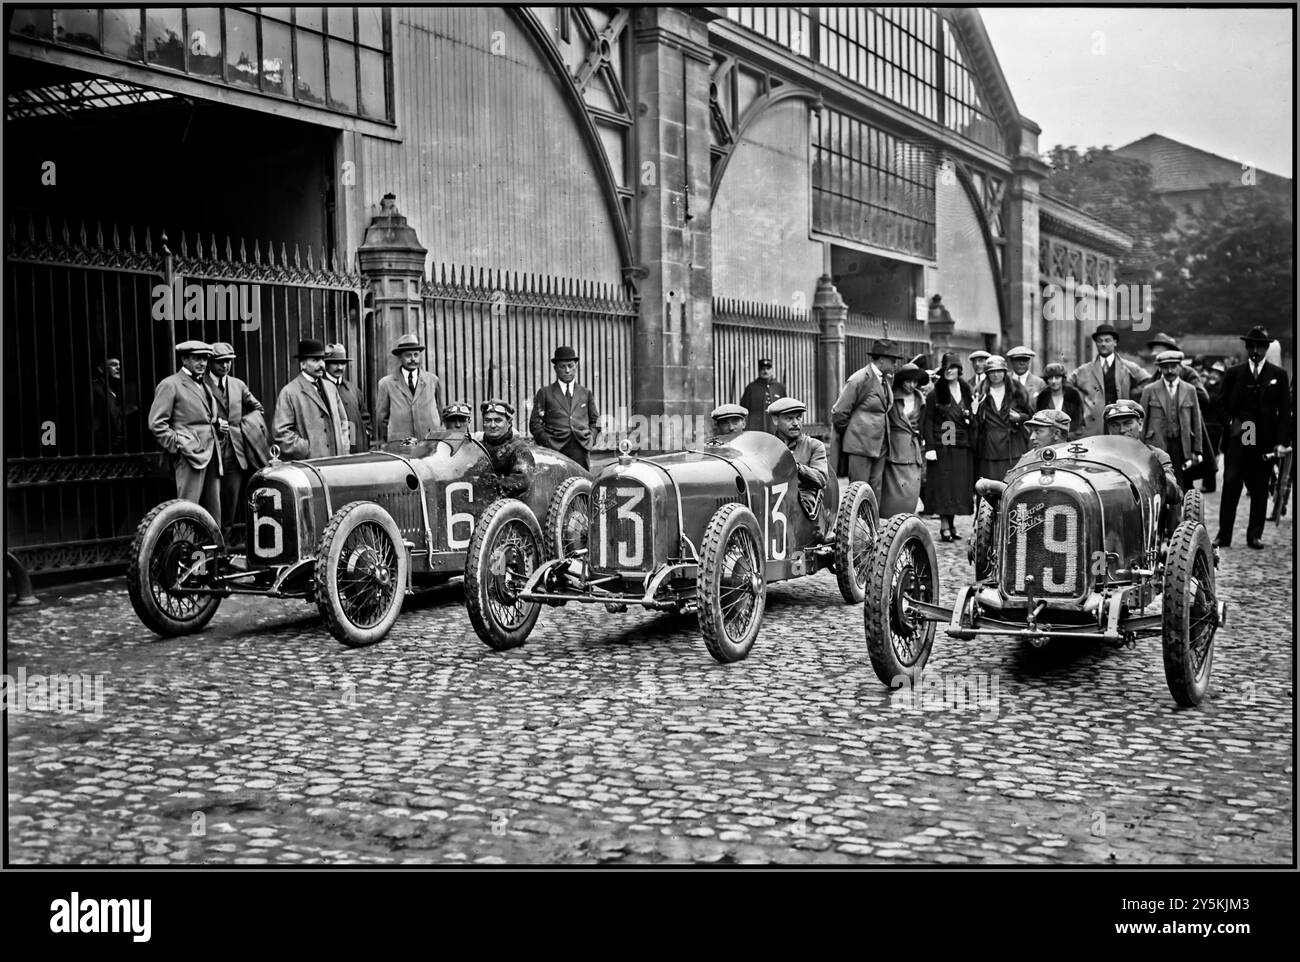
(455, 518)
(264, 521)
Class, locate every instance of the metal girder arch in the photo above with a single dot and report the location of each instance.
(582, 113)
(990, 239)
(748, 119)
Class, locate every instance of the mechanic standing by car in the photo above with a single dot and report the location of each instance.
(564, 415)
(508, 452)
(809, 457)
(1173, 416)
(1000, 413)
(1256, 405)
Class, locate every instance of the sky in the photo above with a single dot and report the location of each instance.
(1220, 80)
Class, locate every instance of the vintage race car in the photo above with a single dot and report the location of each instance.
(705, 530)
(354, 534)
(1078, 543)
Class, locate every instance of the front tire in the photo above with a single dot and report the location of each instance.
(169, 542)
(360, 574)
(731, 584)
(983, 544)
(567, 518)
(1191, 614)
(856, 523)
(1194, 506)
(904, 564)
(505, 549)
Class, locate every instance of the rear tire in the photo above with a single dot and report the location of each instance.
(856, 523)
(568, 518)
(1190, 614)
(360, 574)
(505, 549)
(904, 563)
(731, 583)
(168, 541)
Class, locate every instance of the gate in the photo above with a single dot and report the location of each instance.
(490, 333)
(82, 466)
(744, 331)
(861, 329)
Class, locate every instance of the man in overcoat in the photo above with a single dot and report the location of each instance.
(358, 427)
(1105, 379)
(860, 413)
(234, 401)
(1172, 416)
(406, 402)
(309, 417)
(183, 418)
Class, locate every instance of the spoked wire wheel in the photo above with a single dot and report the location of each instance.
(361, 573)
(855, 539)
(904, 570)
(168, 556)
(505, 550)
(731, 584)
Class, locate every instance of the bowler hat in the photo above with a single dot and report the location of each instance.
(565, 353)
(193, 347)
(884, 347)
(310, 347)
(336, 352)
(1105, 329)
(221, 351)
(408, 342)
(1258, 334)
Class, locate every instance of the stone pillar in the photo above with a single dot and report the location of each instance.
(673, 346)
(830, 311)
(392, 258)
(1024, 319)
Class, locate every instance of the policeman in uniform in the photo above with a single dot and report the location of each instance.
(455, 417)
(809, 455)
(728, 421)
(760, 393)
(509, 453)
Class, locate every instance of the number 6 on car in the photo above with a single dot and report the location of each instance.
(705, 530)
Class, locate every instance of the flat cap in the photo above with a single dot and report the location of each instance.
(1123, 408)
(1020, 351)
(456, 409)
(221, 351)
(497, 406)
(729, 411)
(193, 347)
(976, 355)
(1169, 357)
(1050, 418)
(786, 405)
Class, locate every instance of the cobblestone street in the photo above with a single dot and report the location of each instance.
(616, 738)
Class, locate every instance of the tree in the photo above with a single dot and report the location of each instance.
(1118, 191)
(1232, 267)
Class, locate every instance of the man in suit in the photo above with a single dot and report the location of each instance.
(406, 404)
(234, 400)
(860, 413)
(759, 395)
(1019, 358)
(1172, 415)
(1105, 379)
(564, 412)
(978, 359)
(309, 417)
(358, 421)
(1257, 409)
(183, 418)
(1163, 342)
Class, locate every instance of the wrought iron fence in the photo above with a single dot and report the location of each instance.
(744, 331)
(492, 333)
(861, 329)
(82, 466)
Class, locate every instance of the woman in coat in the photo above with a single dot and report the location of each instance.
(905, 461)
(949, 447)
(1000, 411)
(1059, 396)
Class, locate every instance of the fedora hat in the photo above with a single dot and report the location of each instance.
(310, 347)
(564, 353)
(408, 342)
(336, 352)
(1257, 334)
(1163, 340)
(884, 347)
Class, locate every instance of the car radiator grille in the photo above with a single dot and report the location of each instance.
(273, 525)
(620, 536)
(1045, 541)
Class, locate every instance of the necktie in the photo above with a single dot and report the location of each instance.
(410, 379)
(320, 389)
